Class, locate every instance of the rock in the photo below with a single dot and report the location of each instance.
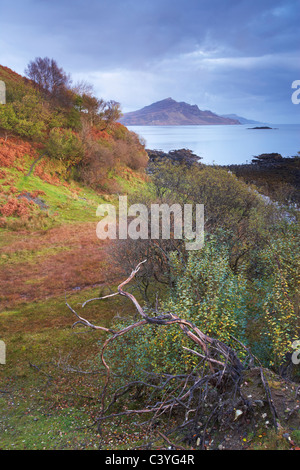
(259, 403)
(175, 156)
(238, 413)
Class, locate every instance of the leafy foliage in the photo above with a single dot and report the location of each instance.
(279, 292)
(65, 145)
(208, 294)
(73, 126)
(244, 282)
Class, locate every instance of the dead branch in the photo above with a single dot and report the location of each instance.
(269, 397)
(174, 446)
(223, 375)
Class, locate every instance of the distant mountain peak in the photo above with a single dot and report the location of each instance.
(168, 112)
(241, 119)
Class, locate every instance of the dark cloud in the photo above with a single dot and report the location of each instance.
(135, 32)
(248, 49)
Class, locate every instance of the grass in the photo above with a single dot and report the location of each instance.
(67, 202)
(54, 249)
(73, 203)
(50, 384)
(45, 401)
(52, 379)
(31, 428)
(29, 256)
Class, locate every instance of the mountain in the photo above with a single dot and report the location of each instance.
(169, 112)
(241, 119)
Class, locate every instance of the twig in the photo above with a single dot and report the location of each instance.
(175, 446)
(184, 393)
(40, 370)
(269, 396)
(99, 298)
(205, 357)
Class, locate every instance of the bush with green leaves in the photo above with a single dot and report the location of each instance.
(65, 145)
(208, 294)
(259, 310)
(243, 284)
(27, 117)
(277, 294)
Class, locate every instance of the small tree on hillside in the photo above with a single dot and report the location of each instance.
(111, 113)
(50, 78)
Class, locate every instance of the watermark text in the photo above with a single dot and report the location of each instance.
(296, 95)
(296, 353)
(2, 352)
(159, 221)
(2, 92)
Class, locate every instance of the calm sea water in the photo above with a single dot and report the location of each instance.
(223, 145)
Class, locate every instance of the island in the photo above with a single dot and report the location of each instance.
(169, 112)
(261, 127)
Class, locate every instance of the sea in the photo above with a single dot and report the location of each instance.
(223, 144)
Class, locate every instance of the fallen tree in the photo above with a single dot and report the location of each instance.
(213, 393)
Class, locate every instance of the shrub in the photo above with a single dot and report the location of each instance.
(27, 117)
(65, 145)
(278, 288)
(208, 294)
(130, 151)
(15, 207)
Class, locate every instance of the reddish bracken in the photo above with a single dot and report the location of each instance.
(43, 171)
(33, 194)
(13, 150)
(16, 207)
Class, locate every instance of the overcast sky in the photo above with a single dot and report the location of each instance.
(229, 56)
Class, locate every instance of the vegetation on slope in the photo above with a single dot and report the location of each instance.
(60, 137)
(275, 176)
(61, 154)
(241, 289)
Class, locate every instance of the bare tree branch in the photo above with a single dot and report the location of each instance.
(190, 390)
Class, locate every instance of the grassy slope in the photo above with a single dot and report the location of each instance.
(49, 392)
(51, 254)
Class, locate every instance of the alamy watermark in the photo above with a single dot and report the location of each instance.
(2, 352)
(296, 353)
(2, 92)
(159, 221)
(296, 95)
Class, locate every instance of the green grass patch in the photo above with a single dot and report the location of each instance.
(45, 402)
(68, 204)
(30, 256)
(34, 331)
(30, 427)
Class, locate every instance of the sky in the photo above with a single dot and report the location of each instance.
(228, 56)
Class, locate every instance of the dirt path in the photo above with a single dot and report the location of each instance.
(46, 264)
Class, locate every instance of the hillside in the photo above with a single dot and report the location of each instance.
(236, 300)
(58, 162)
(169, 112)
(241, 119)
(64, 137)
